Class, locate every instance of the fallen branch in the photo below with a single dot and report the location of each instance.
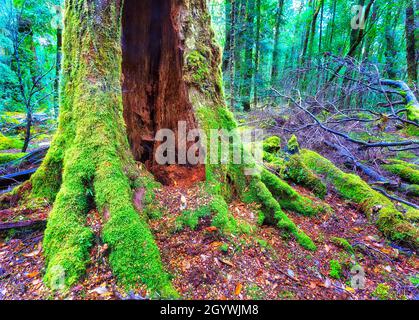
(375, 176)
(32, 224)
(11, 179)
(345, 136)
(395, 198)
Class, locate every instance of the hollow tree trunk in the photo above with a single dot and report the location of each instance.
(129, 69)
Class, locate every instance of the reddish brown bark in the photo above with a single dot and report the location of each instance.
(154, 94)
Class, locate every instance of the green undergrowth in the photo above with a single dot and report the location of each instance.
(8, 143)
(407, 171)
(376, 206)
(9, 157)
(222, 219)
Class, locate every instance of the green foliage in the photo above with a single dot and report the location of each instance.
(335, 269)
(224, 248)
(293, 146)
(9, 157)
(382, 292)
(223, 219)
(8, 143)
(191, 218)
(26, 25)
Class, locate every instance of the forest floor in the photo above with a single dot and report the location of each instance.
(206, 265)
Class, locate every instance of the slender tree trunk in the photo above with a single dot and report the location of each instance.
(232, 66)
(306, 37)
(257, 53)
(238, 47)
(228, 30)
(249, 49)
(276, 53)
(412, 59)
(390, 50)
(332, 29)
(57, 71)
(313, 27)
(321, 28)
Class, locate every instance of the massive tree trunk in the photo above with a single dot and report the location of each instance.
(131, 68)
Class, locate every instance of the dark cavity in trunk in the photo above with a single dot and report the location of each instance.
(154, 94)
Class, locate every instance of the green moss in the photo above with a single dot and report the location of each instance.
(343, 243)
(293, 146)
(198, 67)
(9, 157)
(8, 143)
(335, 270)
(300, 174)
(292, 168)
(272, 213)
(411, 214)
(67, 240)
(407, 171)
(382, 292)
(272, 145)
(288, 198)
(223, 219)
(402, 155)
(376, 206)
(412, 190)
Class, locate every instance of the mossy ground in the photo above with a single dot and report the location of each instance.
(377, 207)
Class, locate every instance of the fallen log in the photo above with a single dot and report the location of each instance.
(31, 224)
(33, 158)
(14, 178)
(377, 179)
(371, 173)
(393, 197)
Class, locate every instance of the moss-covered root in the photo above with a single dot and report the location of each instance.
(67, 240)
(292, 169)
(274, 214)
(135, 257)
(376, 206)
(290, 199)
(299, 173)
(407, 171)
